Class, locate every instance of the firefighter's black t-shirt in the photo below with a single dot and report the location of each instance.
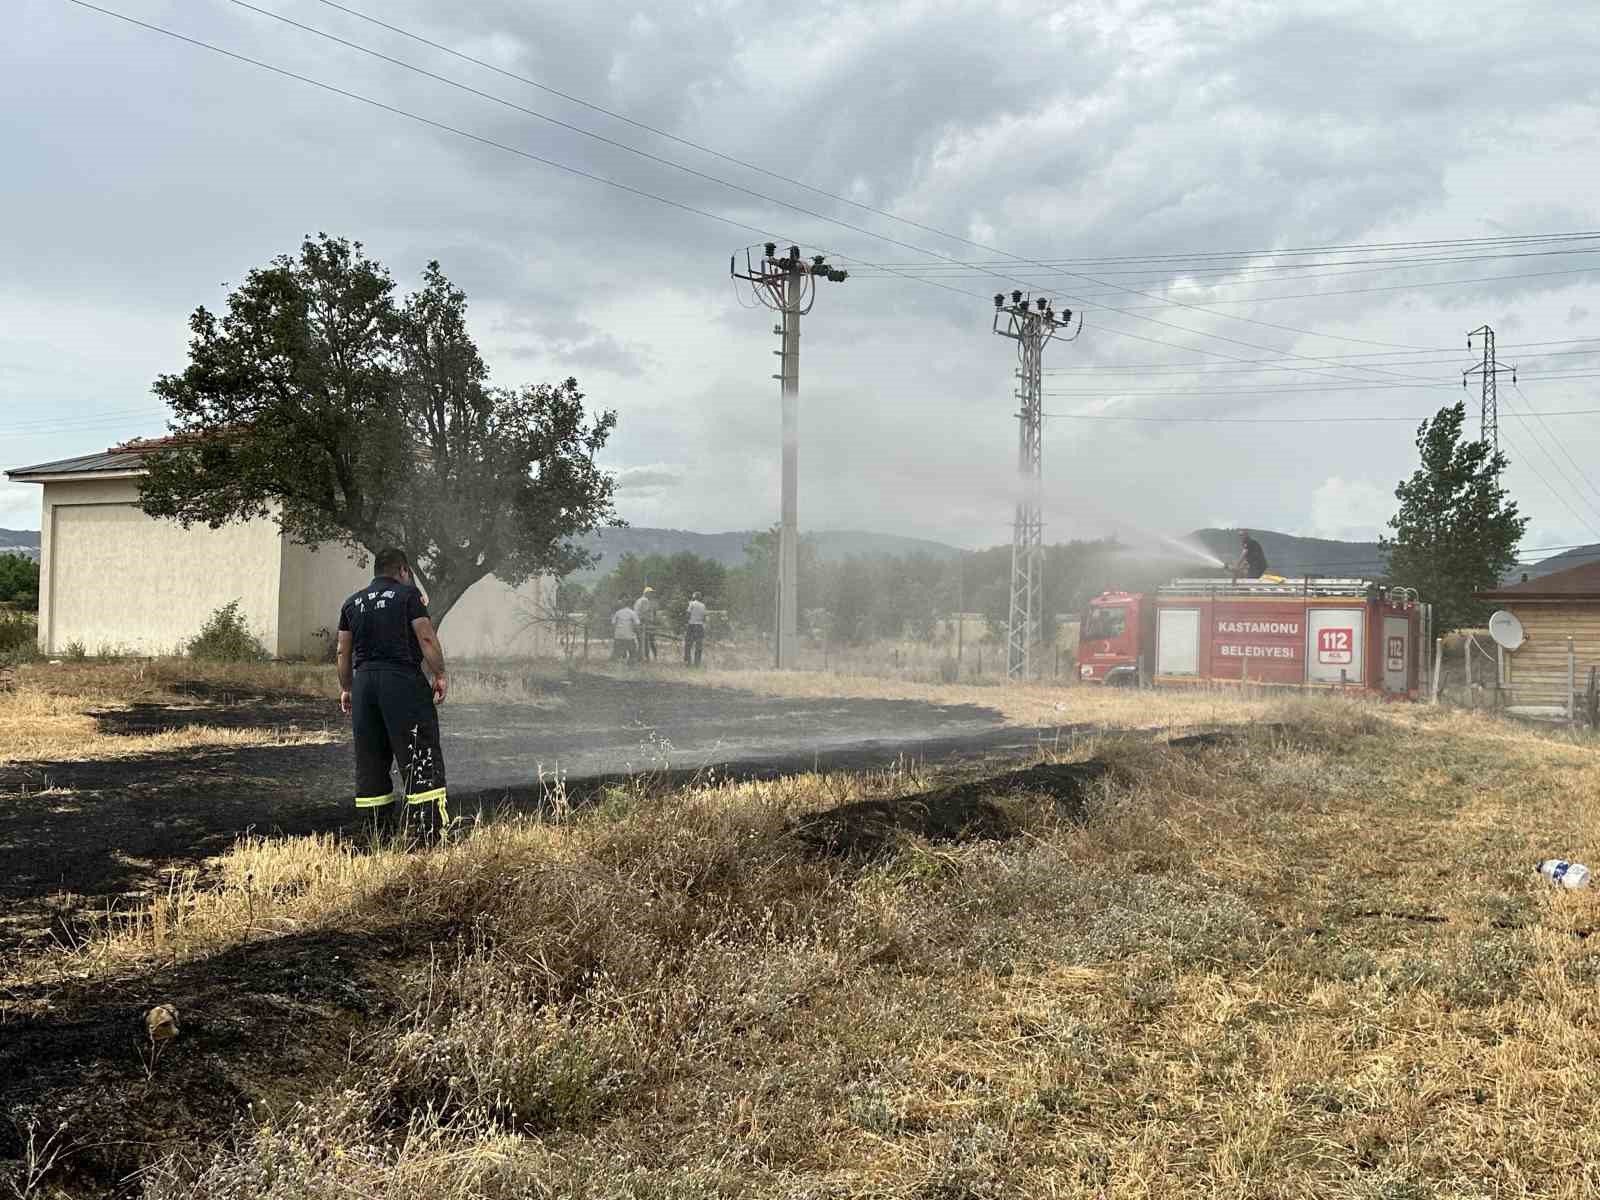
(1255, 558)
(378, 618)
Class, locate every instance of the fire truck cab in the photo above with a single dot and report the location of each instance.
(1307, 633)
(1113, 639)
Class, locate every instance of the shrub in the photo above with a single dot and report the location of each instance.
(225, 638)
(19, 636)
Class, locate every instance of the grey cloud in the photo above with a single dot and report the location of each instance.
(648, 478)
(597, 351)
(156, 172)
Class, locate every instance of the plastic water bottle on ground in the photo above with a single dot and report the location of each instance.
(1563, 873)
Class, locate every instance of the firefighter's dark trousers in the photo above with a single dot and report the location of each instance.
(395, 723)
(694, 640)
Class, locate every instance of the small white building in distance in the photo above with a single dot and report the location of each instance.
(114, 580)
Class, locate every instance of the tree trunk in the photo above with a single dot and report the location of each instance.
(442, 596)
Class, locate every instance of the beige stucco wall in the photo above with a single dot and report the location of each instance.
(116, 579)
(495, 621)
(314, 586)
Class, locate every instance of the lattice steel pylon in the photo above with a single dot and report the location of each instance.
(1489, 369)
(1032, 324)
(787, 285)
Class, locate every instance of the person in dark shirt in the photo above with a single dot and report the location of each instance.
(1252, 562)
(385, 636)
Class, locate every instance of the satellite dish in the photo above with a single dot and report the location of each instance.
(1506, 630)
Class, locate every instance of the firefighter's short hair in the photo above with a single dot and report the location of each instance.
(390, 561)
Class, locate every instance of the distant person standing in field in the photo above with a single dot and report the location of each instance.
(624, 634)
(1252, 562)
(694, 631)
(385, 636)
(645, 608)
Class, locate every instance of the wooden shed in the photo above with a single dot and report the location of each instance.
(1552, 609)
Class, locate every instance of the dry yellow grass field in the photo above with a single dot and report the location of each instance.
(52, 711)
(1309, 960)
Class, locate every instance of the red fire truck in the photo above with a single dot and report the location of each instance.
(1312, 632)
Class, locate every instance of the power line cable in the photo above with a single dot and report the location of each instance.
(1528, 462)
(1201, 255)
(1207, 369)
(819, 216)
(1582, 474)
(654, 196)
(1403, 358)
(1534, 432)
(1176, 420)
(474, 137)
(640, 192)
(1398, 287)
(1288, 389)
(746, 164)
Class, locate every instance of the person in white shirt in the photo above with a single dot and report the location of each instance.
(645, 609)
(624, 634)
(694, 632)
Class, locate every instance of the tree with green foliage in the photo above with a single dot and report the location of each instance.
(322, 401)
(753, 587)
(675, 578)
(19, 581)
(1456, 532)
(850, 602)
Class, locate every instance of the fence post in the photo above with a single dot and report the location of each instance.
(1466, 657)
(1499, 676)
(586, 639)
(1438, 668)
(1572, 680)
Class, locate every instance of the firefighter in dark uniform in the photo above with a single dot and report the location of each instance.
(385, 636)
(1252, 562)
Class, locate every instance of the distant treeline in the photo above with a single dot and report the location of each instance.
(866, 598)
(19, 581)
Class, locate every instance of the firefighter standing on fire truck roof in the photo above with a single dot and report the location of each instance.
(1252, 562)
(385, 635)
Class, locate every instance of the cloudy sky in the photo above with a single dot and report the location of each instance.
(1118, 157)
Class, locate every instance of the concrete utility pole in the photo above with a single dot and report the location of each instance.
(1488, 369)
(788, 286)
(1032, 328)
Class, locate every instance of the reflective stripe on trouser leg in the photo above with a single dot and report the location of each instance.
(428, 797)
(374, 801)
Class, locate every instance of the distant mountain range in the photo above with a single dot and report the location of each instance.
(1580, 556)
(20, 541)
(1288, 554)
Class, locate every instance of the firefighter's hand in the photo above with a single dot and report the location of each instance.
(344, 702)
(440, 687)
